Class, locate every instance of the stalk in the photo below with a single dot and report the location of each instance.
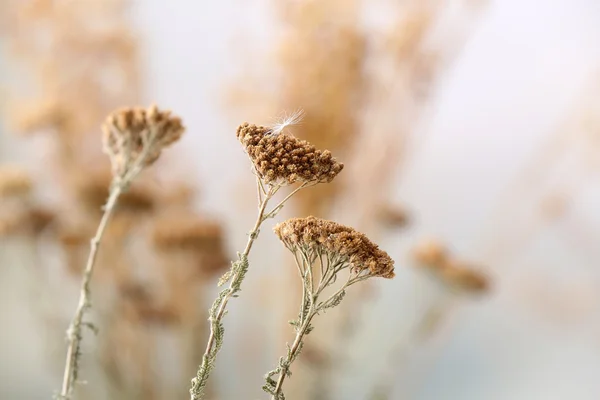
(74, 333)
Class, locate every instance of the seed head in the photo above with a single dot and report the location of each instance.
(337, 240)
(285, 159)
(136, 136)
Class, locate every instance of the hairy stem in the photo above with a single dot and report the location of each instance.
(220, 304)
(74, 333)
(291, 356)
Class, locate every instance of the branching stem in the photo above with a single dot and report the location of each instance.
(235, 277)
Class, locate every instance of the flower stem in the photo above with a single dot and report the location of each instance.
(220, 304)
(74, 333)
(291, 356)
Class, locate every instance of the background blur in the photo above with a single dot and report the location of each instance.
(468, 125)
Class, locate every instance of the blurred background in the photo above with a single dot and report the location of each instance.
(470, 131)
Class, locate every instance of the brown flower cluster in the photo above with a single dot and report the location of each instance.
(137, 135)
(434, 256)
(338, 241)
(283, 158)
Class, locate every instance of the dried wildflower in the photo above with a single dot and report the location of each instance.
(322, 249)
(430, 254)
(463, 277)
(393, 216)
(278, 159)
(133, 138)
(339, 242)
(14, 182)
(283, 158)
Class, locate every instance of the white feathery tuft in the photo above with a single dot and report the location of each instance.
(287, 120)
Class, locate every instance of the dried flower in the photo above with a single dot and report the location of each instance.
(328, 247)
(463, 277)
(133, 138)
(14, 182)
(283, 158)
(393, 216)
(430, 254)
(338, 241)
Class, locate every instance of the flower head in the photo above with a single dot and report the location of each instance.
(338, 241)
(279, 157)
(463, 277)
(136, 136)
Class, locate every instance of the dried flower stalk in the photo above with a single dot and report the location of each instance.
(278, 160)
(133, 140)
(322, 249)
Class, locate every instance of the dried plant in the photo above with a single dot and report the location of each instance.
(455, 274)
(322, 250)
(278, 159)
(133, 139)
(354, 83)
